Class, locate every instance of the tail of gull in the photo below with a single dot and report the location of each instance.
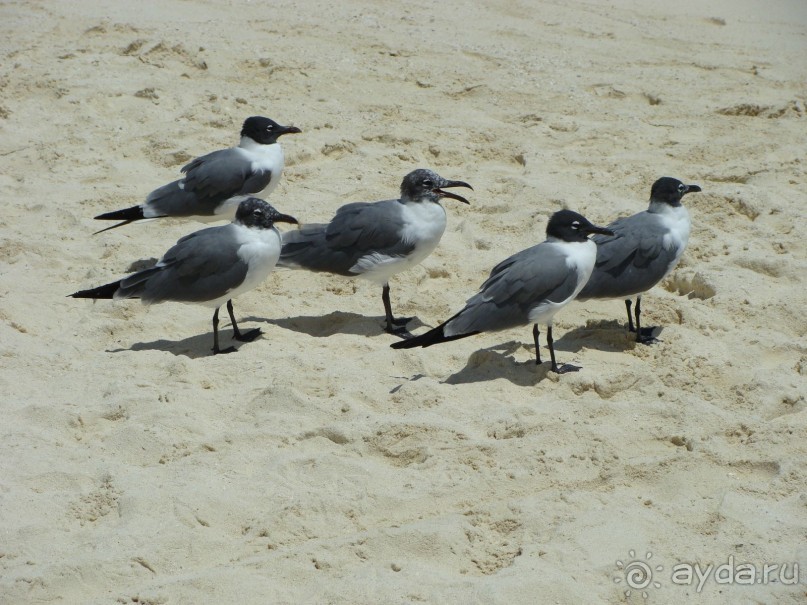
(105, 292)
(305, 248)
(132, 286)
(127, 215)
(432, 337)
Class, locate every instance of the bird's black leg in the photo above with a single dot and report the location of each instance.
(394, 326)
(566, 367)
(628, 303)
(237, 334)
(644, 336)
(216, 349)
(535, 334)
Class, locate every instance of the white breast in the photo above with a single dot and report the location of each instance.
(423, 225)
(260, 249)
(675, 220)
(580, 258)
(263, 158)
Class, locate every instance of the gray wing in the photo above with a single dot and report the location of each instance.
(200, 267)
(209, 181)
(358, 230)
(516, 285)
(172, 200)
(223, 174)
(632, 261)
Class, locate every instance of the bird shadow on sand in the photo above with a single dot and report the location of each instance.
(194, 347)
(337, 322)
(603, 335)
(499, 362)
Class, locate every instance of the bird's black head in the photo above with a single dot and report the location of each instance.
(569, 226)
(425, 185)
(254, 212)
(264, 130)
(668, 190)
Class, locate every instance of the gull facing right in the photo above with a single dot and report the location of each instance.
(643, 251)
(215, 184)
(527, 288)
(376, 240)
(209, 267)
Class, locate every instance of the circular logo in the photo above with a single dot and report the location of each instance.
(637, 574)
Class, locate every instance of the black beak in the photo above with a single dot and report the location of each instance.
(592, 229)
(284, 218)
(439, 191)
(692, 189)
(289, 130)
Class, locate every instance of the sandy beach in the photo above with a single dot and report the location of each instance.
(316, 464)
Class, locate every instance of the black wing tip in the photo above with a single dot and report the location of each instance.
(409, 343)
(126, 216)
(424, 340)
(435, 336)
(107, 291)
(121, 224)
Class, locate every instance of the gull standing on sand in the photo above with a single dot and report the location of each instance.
(643, 251)
(214, 184)
(527, 288)
(209, 267)
(376, 240)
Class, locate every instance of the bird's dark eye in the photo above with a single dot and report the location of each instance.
(428, 183)
(270, 127)
(682, 188)
(257, 212)
(576, 225)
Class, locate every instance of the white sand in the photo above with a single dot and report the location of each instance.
(311, 466)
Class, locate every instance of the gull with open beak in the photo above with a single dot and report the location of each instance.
(376, 240)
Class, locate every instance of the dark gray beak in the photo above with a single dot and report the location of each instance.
(592, 229)
(289, 130)
(284, 218)
(439, 191)
(692, 189)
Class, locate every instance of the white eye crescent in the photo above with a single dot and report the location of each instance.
(576, 225)
(682, 188)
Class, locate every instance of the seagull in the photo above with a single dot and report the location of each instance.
(646, 247)
(215, 184)
(377, 240)
(209, 267)
(527, 288)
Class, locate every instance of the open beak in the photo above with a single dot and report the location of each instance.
(285, 218)
(592, 229)
(439, 191)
